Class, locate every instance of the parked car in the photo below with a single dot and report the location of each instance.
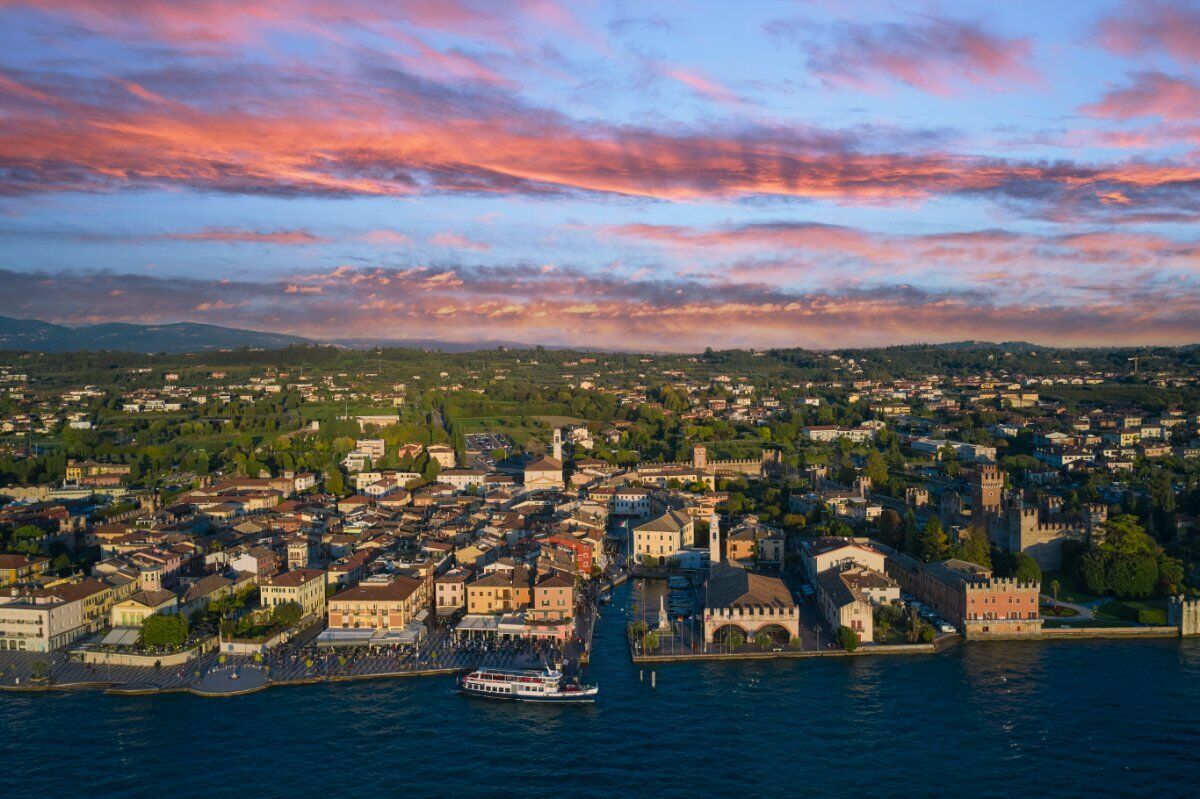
(946, 627)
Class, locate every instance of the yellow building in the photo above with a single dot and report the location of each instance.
(305, 587)
(500, 592)
(145, 603)
(16, 569)
(663, 536)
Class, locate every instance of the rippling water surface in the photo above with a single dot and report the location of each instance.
(984, 720)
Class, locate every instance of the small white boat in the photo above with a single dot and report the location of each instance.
(525, 685)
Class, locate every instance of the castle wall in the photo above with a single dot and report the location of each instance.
(1184, 614)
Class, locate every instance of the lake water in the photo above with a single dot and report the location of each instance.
(982, 720)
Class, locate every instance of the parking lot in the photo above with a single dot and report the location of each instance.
(486, 442)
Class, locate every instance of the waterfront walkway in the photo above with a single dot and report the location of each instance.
(212, 675)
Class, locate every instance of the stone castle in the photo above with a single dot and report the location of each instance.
(701, 469)
(1017, 526)
(768, 460)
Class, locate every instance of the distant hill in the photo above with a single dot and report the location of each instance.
(440, 346)
(32, 334)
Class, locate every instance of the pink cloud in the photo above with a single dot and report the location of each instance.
(1151, 94)
(386, 237)
(1147, 27)
(705, 87)
(240, 235)
(931, 54)
(458, 242)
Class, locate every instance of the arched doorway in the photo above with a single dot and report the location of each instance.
(729, 635)
(780, 635)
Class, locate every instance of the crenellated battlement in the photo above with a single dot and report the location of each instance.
(1002, 583)
(1184, 613)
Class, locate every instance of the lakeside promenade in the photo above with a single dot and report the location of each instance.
(210, 676)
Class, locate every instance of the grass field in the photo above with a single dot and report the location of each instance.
(332, 410)
(560, 421)
(1128, 610)
(1068, 591)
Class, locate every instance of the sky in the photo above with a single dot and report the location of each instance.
(651, 175)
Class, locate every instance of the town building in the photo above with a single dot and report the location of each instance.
(305, 587)
(386, 604)
(16, 569)
(969, 597)
(663, 536)
(47, 618)
(745, 603)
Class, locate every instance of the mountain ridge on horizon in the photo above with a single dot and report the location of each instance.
(183, 337)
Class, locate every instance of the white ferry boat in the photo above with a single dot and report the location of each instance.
(525, 685)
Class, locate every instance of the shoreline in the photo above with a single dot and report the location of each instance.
(135, 689)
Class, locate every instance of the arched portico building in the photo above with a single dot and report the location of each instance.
(749, 603)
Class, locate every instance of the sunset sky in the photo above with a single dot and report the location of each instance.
(637, 175)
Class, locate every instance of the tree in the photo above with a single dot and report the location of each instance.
(1025, 568)
(1055, 587)
(889, 528)
(650, 641)
(876, 469)
(974, 547)
(847, 638)
(763, 640)
(932, 542)
(161, 630)
(431, 470)
(910, 532)
(1129, 563)
(287, 614)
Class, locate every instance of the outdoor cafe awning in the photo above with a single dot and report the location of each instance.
(340, 638)
(477, 624)
(122, 636)
(368, 637)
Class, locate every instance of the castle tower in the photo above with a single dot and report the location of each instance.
(987, 490)
(714, 540)
(1095, 517)
(558, 444)
(699, 457)
(916, 497)
(862, 485)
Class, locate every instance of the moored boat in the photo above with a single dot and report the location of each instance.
(525, 685)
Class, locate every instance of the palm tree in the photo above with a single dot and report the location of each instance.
(1054, 587)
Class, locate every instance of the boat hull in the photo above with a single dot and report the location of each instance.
(555, 699)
